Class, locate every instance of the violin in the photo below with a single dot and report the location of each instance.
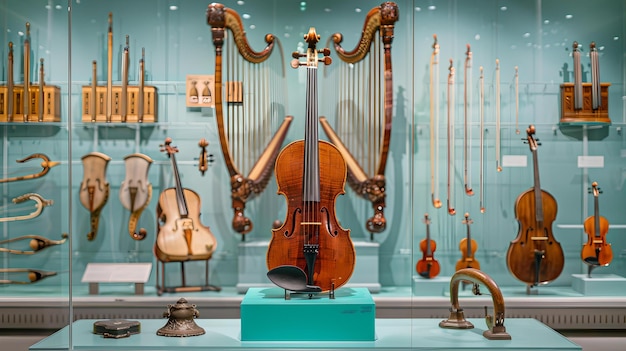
(310, 237)
(534, 256)
(468, 247)
(596, 252)
(427, 267)
(181, 236)
(136, 191)
(94, 189)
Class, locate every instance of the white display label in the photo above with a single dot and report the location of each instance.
(590, 161)
(514, 161)
(117, 273)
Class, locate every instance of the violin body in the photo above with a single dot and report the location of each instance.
(534, 256)
(596, 246)
(596, 252)
(428, 267)
(182, 238)
(468, 247)
(335, 259)
(467, 261)
(136, 191)
(534, 237)
(94, 189)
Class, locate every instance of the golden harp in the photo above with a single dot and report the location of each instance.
(358, 93)
(250, 103)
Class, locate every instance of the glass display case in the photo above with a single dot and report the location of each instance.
(475, 103)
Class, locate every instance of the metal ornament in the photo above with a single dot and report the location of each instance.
(181, 320)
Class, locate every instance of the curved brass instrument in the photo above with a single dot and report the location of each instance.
(94, 189)
(40, 204)
(33, 275)
(136, 191)
(359, 97)
(250, 102)
(37, 243)
(46, 164)
(457, 320)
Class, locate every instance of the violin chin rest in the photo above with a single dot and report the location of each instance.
(291, 278)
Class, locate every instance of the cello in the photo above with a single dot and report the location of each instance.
(534, 256)
(181, 236)
(468, 247)
(427, 267)
(310, 237)
(596, 252)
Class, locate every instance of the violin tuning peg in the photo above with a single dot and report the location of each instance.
(295, 55)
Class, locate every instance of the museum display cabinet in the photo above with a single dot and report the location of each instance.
(152, 138)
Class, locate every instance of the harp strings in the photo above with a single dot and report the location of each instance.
(358, 101)
(254, 96)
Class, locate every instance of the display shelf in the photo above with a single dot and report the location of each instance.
(397, 334)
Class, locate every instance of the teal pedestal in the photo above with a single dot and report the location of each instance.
(599, 284)
(437, 286)
(267, 316)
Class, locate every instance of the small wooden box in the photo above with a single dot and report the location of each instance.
(571, 115)
(95, 109)
(49, 101)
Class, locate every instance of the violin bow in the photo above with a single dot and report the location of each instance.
(26, 95)
(10, 83)
(481, 107)
(37, 243)
(39, 206)
(34, 275)
(498, 166)
(451, 210)
(434, 125)
(467, 110)
(516, 100)
(46, 164)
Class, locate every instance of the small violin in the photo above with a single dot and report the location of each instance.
(427, 267)
(596, 252)
(468, 247)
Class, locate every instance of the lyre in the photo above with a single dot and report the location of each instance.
(94, 189)
(358, 105)
(250, 104)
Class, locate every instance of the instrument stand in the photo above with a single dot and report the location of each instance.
(531, 291)
(161, 287)
(589, 269)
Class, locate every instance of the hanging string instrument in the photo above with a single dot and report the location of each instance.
(596, 252)
(181, 236)
(311, 237)
(468, 247)
(534, 256)
(427, 267)
(94, 189)
(136, 191)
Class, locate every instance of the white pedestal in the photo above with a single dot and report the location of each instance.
(437, 286)
(599, 284)
(252, 269)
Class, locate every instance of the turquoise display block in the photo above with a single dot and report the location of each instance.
(267, 316)
(599, 284)
(436, 286)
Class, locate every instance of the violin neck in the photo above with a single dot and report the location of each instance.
(180, 195)
(311, 185)
(537, 190)
(428, 250)
(596, 217)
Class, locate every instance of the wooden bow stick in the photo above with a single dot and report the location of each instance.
(41, 203)
(34, 275)
(37, 243)
(46, 164)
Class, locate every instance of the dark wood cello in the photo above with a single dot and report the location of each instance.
(181, 236)
(468, 247)
(534, 256)
(596, 252)
(311, 237)
(427, 267)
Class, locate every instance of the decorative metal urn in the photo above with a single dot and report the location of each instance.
(181, 320)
